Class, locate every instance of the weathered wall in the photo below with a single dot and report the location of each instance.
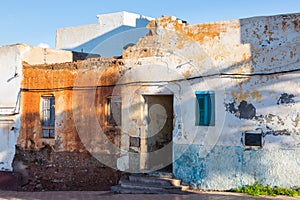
(37, 55)
(78, 91)
(121, 28)
(11, 58)
(72, 93)
(248, 63)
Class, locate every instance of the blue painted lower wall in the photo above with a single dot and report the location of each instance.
(224, 167)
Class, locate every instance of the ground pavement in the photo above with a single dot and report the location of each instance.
(103, 195)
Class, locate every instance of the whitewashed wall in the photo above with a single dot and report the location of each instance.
(253, 67)
(107, 38)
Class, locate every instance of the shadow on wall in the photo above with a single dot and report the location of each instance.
(113, 42)
(274, 61)
(63, 163)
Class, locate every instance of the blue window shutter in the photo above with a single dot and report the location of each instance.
(205, 108)
(207, 111)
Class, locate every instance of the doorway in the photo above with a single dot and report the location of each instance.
(157, 141)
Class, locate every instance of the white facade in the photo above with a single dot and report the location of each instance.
(11, 64)
(107, 38)
(252, 67)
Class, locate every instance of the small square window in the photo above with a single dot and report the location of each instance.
(114, 111)
(205, 108)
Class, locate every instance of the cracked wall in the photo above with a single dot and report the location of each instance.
(248, 63)
(253, 67)
(11, 58)
(72, 94)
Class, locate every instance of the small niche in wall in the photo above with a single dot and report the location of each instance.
(135, 142)
(253, 139)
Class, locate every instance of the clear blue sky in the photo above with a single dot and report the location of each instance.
(35, 21)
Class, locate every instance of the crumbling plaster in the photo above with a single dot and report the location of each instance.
(11, 58)
(248, 63)
(248, 73)
(72, 84)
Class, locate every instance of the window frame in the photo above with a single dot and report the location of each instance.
(48, 116)
(205, 116)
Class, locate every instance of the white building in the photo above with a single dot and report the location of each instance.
(217, 101)
(235, 91)
(108, 37)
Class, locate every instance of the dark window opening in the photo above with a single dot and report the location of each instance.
(134, 142)
(114, 111)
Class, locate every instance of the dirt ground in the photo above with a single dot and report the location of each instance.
(45, 170)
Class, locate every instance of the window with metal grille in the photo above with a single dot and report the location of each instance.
(205, 108)
(114, 111)
(48, 116)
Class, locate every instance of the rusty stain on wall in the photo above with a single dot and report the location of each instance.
(60, 80)
(239, 59)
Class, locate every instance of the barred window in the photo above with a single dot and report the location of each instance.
(48, 116)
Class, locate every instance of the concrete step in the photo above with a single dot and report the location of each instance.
(161, 174)
(125, 190)
(143, 186)
(151, 183)
(163, 181)
(121, 190)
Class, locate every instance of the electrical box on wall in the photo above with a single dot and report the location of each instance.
(253, 138)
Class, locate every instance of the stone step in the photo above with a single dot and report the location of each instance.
(125, 190)
(163, 181)
(139, 185)
(122, 190)
(151, 183)
(161, 174)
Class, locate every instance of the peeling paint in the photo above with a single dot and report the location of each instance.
(244, 110)
(240, 60)
(286, 99)
(296, 120)
(278, 132)
(48, 77)
(256, 95)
